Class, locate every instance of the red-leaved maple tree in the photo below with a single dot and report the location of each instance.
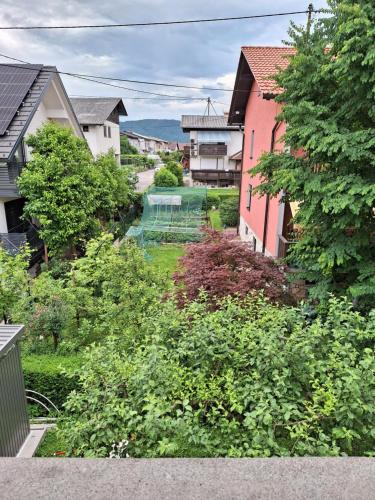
(222, 266)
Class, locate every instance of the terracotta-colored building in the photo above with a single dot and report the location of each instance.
(264, 221)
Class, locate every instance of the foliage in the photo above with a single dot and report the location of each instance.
(51, 445)
(14, 281)
(215, 196)
(222, 266)
(176, 169)
(334, 179)
(165, 178)
(167, 156)
(229, 211)
(215, 220)
(137, 162)
(66, 189)
(48, 374)
(248, 380)
(125, 146)
(212, 201)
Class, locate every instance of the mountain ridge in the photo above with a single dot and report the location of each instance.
(163, 128)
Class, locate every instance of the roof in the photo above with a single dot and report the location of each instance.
(17, 112)
(9, 335)
(200, 122)
(96, 110)
(135, 135)
(259, 64)
(237, 156)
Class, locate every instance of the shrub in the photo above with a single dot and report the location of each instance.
(211, 201)
(229, 211)
(176, 170)
(165, 178)
(51, 375)
(248, 380)
(221, 267)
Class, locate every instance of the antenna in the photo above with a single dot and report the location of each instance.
(310, 10)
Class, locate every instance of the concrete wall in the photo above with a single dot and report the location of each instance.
(260, 118)
(3, 220)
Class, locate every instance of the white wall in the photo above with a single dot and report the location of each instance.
(99, 144)
(246, 234)
(3, 220)
(234, 144)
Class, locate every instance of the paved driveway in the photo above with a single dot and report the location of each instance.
(145, 179)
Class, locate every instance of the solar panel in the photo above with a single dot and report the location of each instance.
(15, 82)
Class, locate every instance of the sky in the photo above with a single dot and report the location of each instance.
(204, 54)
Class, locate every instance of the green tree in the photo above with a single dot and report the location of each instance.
(14, 281)
(329, 106)
(125, 147)
(176, 170)
(66, 189)
(229, 211)
(165, 178)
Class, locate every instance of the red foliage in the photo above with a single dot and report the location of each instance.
(222, 266)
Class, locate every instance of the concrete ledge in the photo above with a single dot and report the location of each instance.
(299, 478)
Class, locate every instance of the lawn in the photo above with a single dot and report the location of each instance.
(165, 257)
(51, 445)
(226, 191)
(215, 220)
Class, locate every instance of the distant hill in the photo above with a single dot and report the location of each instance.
(169, 130)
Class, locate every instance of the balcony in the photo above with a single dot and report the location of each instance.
(213, 149)
(284, 246)
(13, 241)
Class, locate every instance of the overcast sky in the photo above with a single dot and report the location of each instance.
(195, 54)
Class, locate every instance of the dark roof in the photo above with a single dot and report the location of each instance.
(96, 110)
(200, 122)
(21, 109)
(259, 64)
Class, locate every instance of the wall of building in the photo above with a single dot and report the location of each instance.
(3, 220)
(234, 144)
(100, 144)
(260, 118)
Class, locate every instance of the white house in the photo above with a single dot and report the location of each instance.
(146, 144)
(215, 148)
(30, 95)
(99, 118)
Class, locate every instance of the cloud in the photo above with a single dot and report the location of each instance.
(195, 54)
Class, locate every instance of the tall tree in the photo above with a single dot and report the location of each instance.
(66, 189)
(329, 106)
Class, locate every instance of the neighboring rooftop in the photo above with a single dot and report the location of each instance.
(134, 135)
(21, 89)
(259, 64)
(9, 335)
(96, 110)
(200, 122)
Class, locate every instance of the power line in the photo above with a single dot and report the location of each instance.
(92, 79)
(158, 23)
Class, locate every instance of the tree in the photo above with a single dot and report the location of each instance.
(329, 106)
(221, 266)
(126, 148)
(14, 281)
(66, 189)
(229, 211)
(165, 178)
(176, 170)
(250, 379)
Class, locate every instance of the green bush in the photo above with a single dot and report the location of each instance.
(211, 201)
(45, 374)
(229, 211)
(176, 170)
(165, 178)
(248, 380)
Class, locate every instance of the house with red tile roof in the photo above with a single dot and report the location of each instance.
(264, 221)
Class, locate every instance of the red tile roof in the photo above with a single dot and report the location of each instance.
(265, 62)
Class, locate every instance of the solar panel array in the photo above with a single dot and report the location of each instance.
(15, 82)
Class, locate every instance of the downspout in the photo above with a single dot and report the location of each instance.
(267, 207)
(241, 172)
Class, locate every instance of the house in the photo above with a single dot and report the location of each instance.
(30, 95)
(146, 144)
(265, 222)
(99, 118)
(212, 144)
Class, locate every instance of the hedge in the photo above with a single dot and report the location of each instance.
(216, 196)
(45, 374)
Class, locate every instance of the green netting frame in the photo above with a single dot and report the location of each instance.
(171, 215)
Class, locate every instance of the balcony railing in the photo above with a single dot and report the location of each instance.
(284, 246)
(13, 241)
(213, 149)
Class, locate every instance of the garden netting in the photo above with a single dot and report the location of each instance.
(175, 214)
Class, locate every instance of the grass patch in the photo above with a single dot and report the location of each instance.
(215, 220)
(52, 445)
(165, 257)
(223, 191)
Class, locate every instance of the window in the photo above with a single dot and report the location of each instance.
(109, 131)
(254, 244)
(105, 130)
(246, 229)
(252, 145)
(85, 128)
(249, 194)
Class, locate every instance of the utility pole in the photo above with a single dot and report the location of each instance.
(208, 105)
(310, 11)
